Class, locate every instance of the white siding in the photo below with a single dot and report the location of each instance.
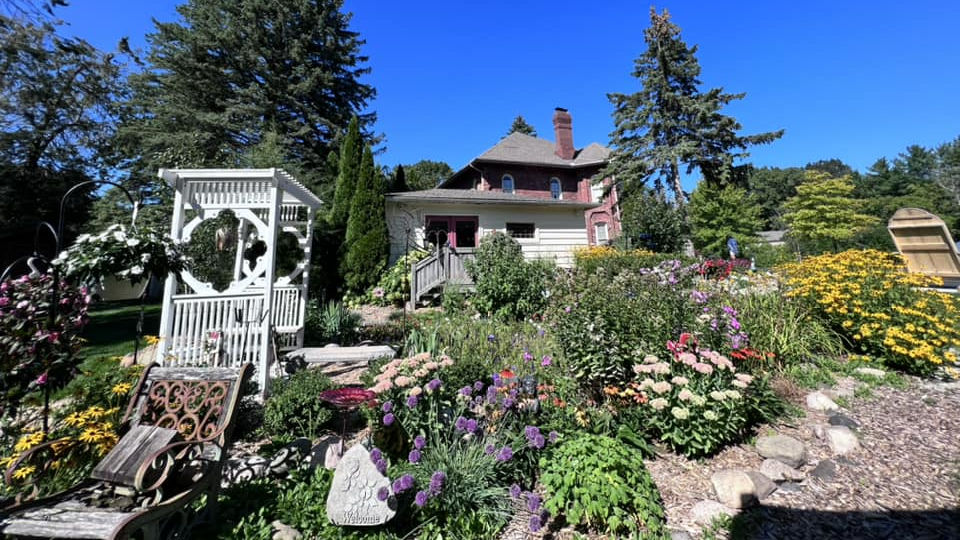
(559, 230)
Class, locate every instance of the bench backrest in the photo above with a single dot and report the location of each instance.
(925, 243)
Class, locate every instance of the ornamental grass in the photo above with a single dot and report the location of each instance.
(880, 309)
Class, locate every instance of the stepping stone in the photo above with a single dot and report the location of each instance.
(779, 471)
(841, 439)
(740, 489)
(871, 372)
(818, 401)
(838, 419)
(824, 471)
(704, 512)
(782, 448)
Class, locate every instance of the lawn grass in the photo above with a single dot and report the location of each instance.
(113, 326)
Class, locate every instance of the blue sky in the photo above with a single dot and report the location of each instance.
(849, 79)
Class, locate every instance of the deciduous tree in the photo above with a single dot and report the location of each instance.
(823, 210)
(718, 213)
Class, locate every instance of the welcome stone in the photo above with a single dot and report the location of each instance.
(353, 494)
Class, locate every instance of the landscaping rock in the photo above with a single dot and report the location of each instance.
(790, 487)
(353, 499)
(740, 489)
(145, 357)
(841, 439)
(779, 471)
(704, 512)
(872, 372)
(326, 452)
(282, 531)
(782, 448)
(678, 534)
(824, 471)
(818, 401)
(838, 419)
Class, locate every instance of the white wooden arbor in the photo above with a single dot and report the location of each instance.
(201, 326)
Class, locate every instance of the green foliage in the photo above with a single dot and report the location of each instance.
(520, 125)
(211, 258)
(294, 410)
(367, 239)
(766, 256)
(348, 177)
(427, 174)
(650, 221)
(613, 261)
(507, 286)
(393, 289)
(785, 327)
(670, 122)
(770, 187)
(824, 210)
(398, 183)
(330, 323)
(602, 483)
(719, 213)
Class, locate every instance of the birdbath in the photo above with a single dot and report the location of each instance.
(346, 400)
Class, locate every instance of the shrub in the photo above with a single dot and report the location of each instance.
(718, 213)
(868, 298)
(507, 285)
(602, 483)
(695, 401)
(330, 323)
(393, 289)
(652, 222)
(294, 410)
(614, 261)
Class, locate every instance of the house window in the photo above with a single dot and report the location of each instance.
(507, 183)
(555, 190)
(521, 230)
(600, 232)
(596, 192)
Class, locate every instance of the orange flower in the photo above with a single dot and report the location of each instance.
(507, 374)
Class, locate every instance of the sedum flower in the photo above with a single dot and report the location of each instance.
(658, 404)
(680, 413)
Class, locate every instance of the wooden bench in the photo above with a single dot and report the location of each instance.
(926, 244)
(176, 430)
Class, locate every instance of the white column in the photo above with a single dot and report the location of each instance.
(266, 342)
(170, 285)
(305, 276)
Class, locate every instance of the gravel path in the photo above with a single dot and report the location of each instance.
(903, 481)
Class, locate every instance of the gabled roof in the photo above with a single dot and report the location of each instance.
(481, 197)
(293, 191)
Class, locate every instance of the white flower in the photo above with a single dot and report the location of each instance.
(145, 258)
(119, 236)
(659, 403)
(661, 387)
(680, 413)
(717, 395)
(133, 242)
(680, 381)
(136, 270)
(732, 394)
(710, 415)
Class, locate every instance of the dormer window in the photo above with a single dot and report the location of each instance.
(555, 191)
(506, 183)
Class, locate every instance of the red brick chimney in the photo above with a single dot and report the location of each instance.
(563, 131)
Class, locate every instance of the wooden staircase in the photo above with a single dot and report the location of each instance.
(431, 275)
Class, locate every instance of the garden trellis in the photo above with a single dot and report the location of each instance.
(202, 326)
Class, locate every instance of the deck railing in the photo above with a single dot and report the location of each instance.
(446, 265)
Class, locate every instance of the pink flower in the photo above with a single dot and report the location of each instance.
(446, 361)
(687, 358)
(403, 380)
(42, 379)
(685, 395)
(700, 367)
(431, 365)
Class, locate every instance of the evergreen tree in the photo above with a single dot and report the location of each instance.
(367, 240)
(670, 122)
(230, 71)
(823, 210)
(348, 178)
(650, 221)
(399, 183)
(426, 174)
(720, 212)
(520, 125)
(770, 188)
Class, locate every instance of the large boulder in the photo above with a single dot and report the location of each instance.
(779, 471)
(782, 448)
(740, 489)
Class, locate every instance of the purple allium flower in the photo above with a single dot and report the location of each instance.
(436, 482)
(497, 380)
(491, 338)
(375, 455)
(412, 401)
(383, 494)
(546, 360)
(507, 402)
(533, 502)
(414, 456)
(466, 391)
(460, 424)
(388, 419)
(513, 393)
(478, 386)
(471, 425)
(515, 491)
(490, 449)
(491, 394)
(553, 436)
(419, 442)
(531, 431)
(527, 357)
(433, 385)
(505, 454)
(538, 442)
(535, 524)
(420, 499)
(387, 406)
(406, 481)
(381, 465)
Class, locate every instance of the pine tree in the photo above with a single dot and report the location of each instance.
(823, 210)
(670, 122)
(367, 240)
(348, 178)
(521, 126)
(718, 213)
(399, 183)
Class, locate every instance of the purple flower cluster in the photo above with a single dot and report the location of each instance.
(403, 483)
(387, 406)
(547, 360)
(505, 454)
(515, 491)
(535, 439)
(419, 442)
(463, 424)
(383, 494)
(414, 456)
(412, 401)
(421, 499)
(376, 456)
(433, 385)
(388, 419)
(466, 391)
(436, 482)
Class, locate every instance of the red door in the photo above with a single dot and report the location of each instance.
(459, 231)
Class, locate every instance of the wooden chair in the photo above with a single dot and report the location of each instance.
(925, 243)
(178, 426)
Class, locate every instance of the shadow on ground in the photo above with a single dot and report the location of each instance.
(773, 522)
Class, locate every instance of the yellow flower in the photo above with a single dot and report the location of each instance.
(152, 340)
(28, 441)
(24, 472)
(121, 389)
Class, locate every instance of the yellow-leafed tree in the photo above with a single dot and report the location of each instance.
(825, 210)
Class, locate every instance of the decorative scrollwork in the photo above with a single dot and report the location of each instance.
(193, 408)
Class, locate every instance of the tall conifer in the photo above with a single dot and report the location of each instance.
(347, 178)
(367, 241)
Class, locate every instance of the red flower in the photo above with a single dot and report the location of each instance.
(507, 374)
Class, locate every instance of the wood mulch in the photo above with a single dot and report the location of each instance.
(903, 481)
